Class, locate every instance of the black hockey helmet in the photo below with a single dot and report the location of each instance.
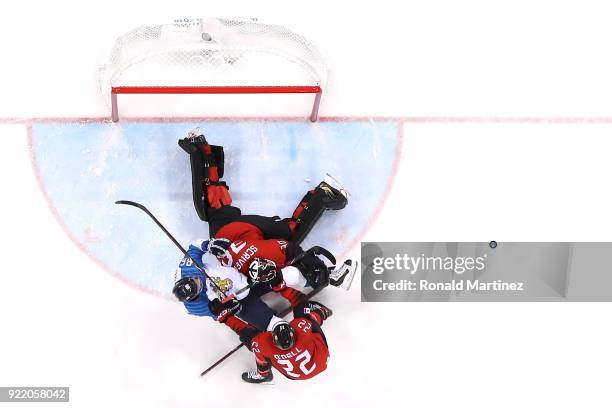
(187, 288)
(283, 335)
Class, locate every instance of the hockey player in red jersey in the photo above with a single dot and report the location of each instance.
(237, 239)
(297, 349)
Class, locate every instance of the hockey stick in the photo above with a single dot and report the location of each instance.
(283, 313)
(224, 298)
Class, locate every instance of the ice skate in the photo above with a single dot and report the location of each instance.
(192, 142)
(336, 196)
(343, 275)
(253, 377)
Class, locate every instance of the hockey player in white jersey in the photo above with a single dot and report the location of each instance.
(201, 298)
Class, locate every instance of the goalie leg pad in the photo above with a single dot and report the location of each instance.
(207, 167)
(311, 207)
(307, 213)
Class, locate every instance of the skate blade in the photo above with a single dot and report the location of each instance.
(329, 179)
(262, 383)
(195, 132)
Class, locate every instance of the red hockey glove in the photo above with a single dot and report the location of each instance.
(224, 310)
(313, 310)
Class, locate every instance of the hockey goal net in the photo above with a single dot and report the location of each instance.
(212, 56)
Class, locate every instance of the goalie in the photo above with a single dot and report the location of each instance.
(255, 244)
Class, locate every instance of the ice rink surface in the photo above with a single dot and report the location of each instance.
(85, 168)
(504, 112)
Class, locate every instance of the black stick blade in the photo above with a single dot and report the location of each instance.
(128, 202)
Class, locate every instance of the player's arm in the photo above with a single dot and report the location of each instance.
(294, 297)
(314, 311)
(264, 366)
(207, 163)
(225, 313)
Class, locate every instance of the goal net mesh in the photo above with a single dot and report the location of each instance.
(218, 52)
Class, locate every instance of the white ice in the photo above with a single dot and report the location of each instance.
(66, 321)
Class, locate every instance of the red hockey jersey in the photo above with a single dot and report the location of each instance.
(248, 243)
(307, 358)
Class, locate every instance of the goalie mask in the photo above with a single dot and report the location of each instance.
(283, 335)
(262, 270)
(186, 289)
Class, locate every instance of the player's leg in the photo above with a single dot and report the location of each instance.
(257, 313)
(328, 195)
(207, 166)
(271, 227)
(317, 273)
(211, 196)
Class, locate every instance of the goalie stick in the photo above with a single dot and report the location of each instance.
(224, 297)
(283, 313)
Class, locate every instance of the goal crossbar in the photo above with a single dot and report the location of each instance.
(216, 90)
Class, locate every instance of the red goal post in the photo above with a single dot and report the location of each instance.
(213, 56)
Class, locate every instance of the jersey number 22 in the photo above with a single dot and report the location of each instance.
(305, 358)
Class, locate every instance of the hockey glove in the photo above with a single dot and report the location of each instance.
(218, 246)
(247, 335)
(306, 309)
(224, 310)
